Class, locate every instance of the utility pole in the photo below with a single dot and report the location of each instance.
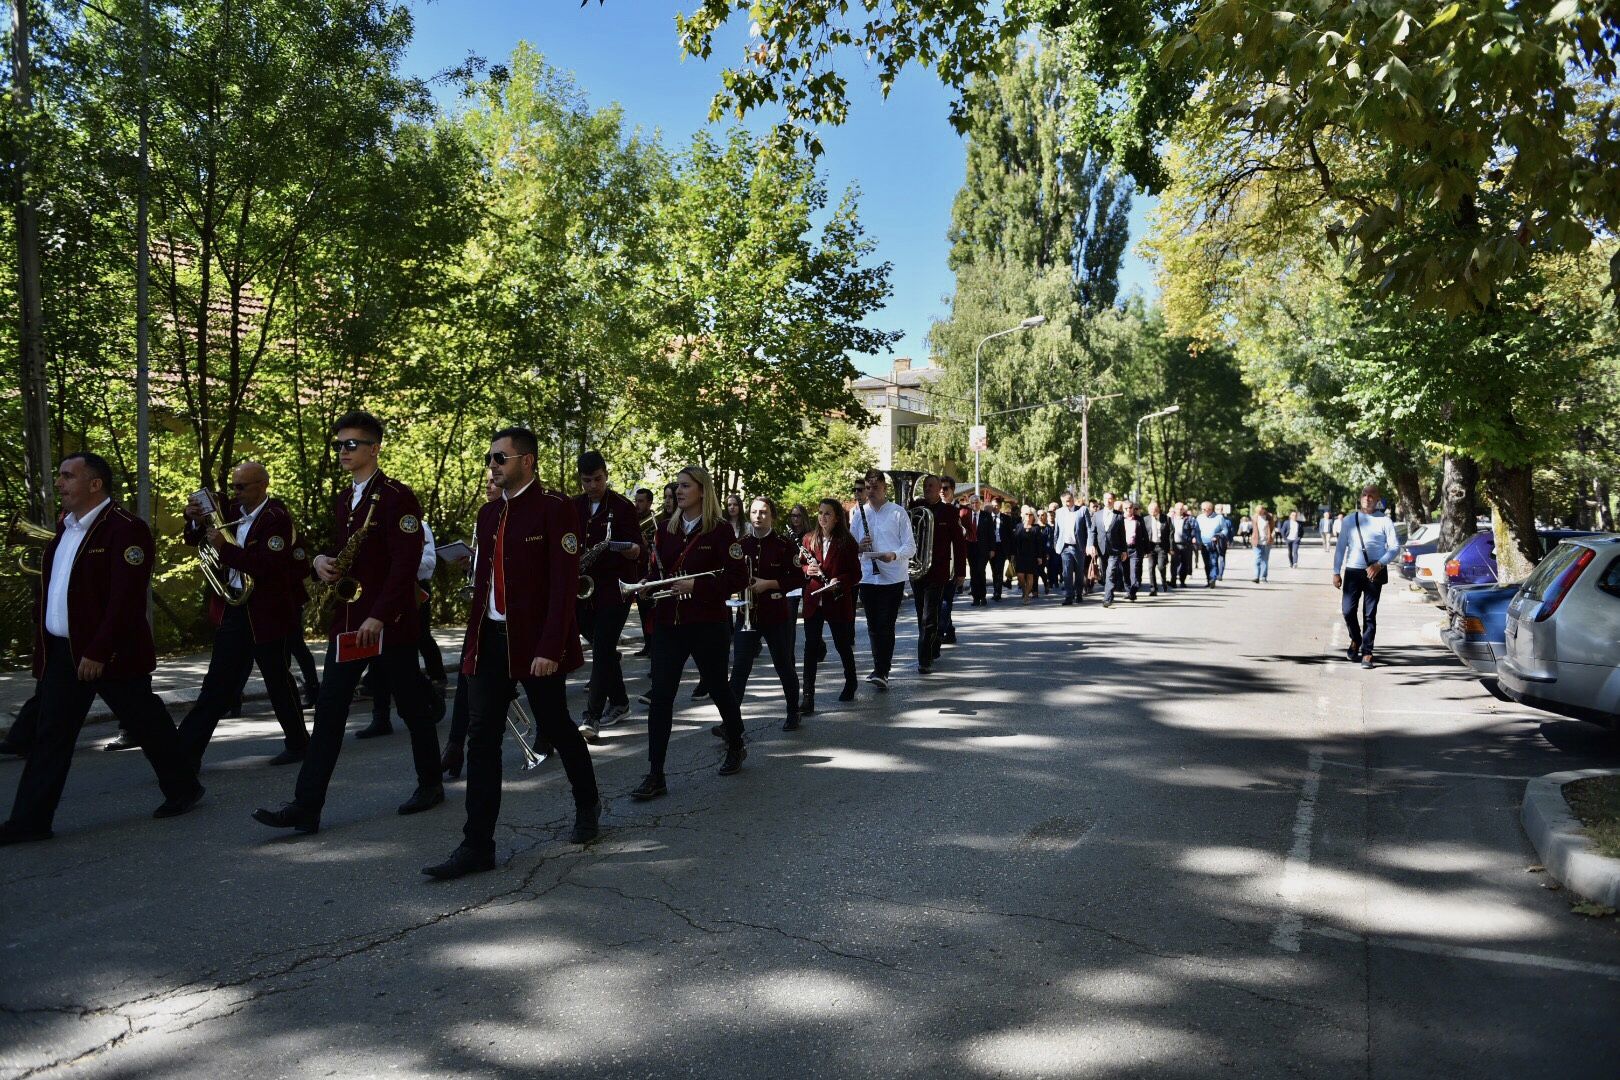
(1083, 403)
(36, 403)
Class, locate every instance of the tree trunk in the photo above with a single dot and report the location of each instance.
(1513, 519)
(41, 495)
(1605, 516)
(1458, 508)
(1409, 498)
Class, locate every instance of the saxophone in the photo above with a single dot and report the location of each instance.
(345, 588)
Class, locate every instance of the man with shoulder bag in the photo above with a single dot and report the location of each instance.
(1367, 545)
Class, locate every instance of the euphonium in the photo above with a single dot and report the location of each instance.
(20, 532)
(216, 573)
(922, 533)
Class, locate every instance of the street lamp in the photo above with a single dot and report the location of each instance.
(1028, 324)
(1136, 494)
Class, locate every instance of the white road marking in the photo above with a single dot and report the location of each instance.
(1469, 952)
(1297, 867)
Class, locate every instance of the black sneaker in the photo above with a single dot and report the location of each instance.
(807, 704)
(1366, 661)
(734, 759)
(462, 861)
(290, 816)
(176, 807)
(423, 798)
(791, 724)
(1353, 653)
(12, 833)
(123, 741)
(652, 786)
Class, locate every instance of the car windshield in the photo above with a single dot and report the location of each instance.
(1547, 571)
(1610, 581)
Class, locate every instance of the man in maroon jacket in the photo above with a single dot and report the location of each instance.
(945, 571)
(385, 516)
(605, 516)
(521, 629)
(91, 637)
(258, 631)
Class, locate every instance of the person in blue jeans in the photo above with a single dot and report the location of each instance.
(1265, 531)
(1214, 530)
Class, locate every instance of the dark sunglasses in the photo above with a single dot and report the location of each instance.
(501, 457)
(351, 444)
(244, 487)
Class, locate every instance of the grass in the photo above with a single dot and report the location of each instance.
(1596, 801)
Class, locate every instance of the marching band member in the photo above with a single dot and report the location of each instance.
(521, 630)
(605, 515)
(377, 545)
(882, 531)
(945, 571)
(455, 740)
(644, 510)
(258, 631)
(773, 561)
(836, 568)
(693, 621)
(91, 638)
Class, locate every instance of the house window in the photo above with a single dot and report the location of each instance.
(905, 437)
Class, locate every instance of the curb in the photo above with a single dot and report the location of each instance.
(1564, 849)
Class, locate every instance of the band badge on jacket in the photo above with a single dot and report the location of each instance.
(736, 551)
(275, 543)
(409, 524)
(134, 555)
(570, 543)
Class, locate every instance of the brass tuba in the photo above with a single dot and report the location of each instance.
(20, 532)
(216, 573)
(922, 534)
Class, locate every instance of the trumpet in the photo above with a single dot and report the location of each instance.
(524, 731)
(20, 532)
(216, 573)
(661, 587)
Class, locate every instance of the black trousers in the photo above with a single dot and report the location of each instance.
(397, 664)
(882, 606)
(298, 650)
(427, 646)
(926, 600)
(488, 697)
(228, 669)
(781, 640)
(707, 644)
(459, 716)
(26, 725)
(1155, 565)
(607, 673)
(998, 568)
(1358, 588)
(976, 561)
(815, 648)
(64, 702)
(1182, 568)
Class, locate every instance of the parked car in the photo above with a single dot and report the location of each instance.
(1431, 571)
(1474, 563)
(1562, 651)
(1421, 542)
(1477, 629)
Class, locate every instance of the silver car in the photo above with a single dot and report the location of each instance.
(1563, 633)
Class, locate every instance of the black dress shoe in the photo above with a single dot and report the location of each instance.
(652, 786)
(462, 861)
(949, 639)
(423, 798)
(587, 824)
(924, 670)
(848, 693)
(12, 833)
(11, 749)
(176, 807)
(288, 757)
(699, 693)
(374, 729)
(123, 741)
(310, 694)
(807, 703)
(452, 760)
(718, 731)
(641, 653)
(1353, 653)
(791, 724)
(734, 759)
(290, 816)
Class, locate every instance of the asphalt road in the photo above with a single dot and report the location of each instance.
(1180, 838)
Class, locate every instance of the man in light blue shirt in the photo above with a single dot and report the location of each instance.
(1367, 545)
(1214, 530)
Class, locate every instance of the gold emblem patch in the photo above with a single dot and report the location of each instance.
(275, 543)
(570, 543)
(134, 555)
(409, 524)
(736, 551)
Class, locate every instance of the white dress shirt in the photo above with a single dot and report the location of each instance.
(359, 486)
(67, 549)
(430, 558)
(891, 531)
(1068, 525)
(490, 610)
(1376, 533)
(242, 531)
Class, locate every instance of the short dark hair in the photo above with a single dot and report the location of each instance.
(521, 437)
(948, 481)
(644, 491)
(359, 418)
(591, 461)
(98, 466)
(770, 504)
(876, 474)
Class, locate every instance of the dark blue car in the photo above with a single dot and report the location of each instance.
(1478, 630)
(1475, 562)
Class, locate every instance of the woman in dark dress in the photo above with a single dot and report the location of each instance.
(1029, 553)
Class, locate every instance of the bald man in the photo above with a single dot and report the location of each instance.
(267, 552)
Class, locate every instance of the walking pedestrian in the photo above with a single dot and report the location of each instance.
(1213, 531)
(1367, 545)
(1293, 531)
(1263, 530)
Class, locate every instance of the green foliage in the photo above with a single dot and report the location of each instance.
(836, 461)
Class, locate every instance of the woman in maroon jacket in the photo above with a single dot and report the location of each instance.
(771, 558)
(694, 621)
(840, 568)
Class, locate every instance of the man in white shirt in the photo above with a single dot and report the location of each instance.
(1073, 528)
(1367, 545)
(882, 530)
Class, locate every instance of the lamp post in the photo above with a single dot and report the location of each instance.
(1136, 493)
(978, 350)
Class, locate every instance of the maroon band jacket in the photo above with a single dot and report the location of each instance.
(773, 557)
(540, 561)
(679, 554)
(385, 564)
(610, 567)
(270, 557)
(950, 545)
(111, 575)
(842, 561)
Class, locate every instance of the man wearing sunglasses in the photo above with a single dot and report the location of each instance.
(384, 520)
(605, 515)
(264, 549)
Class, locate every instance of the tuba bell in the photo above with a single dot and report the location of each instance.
(216, 573)
(20, 532)
(922, 534)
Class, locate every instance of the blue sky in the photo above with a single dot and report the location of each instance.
(901, 151)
